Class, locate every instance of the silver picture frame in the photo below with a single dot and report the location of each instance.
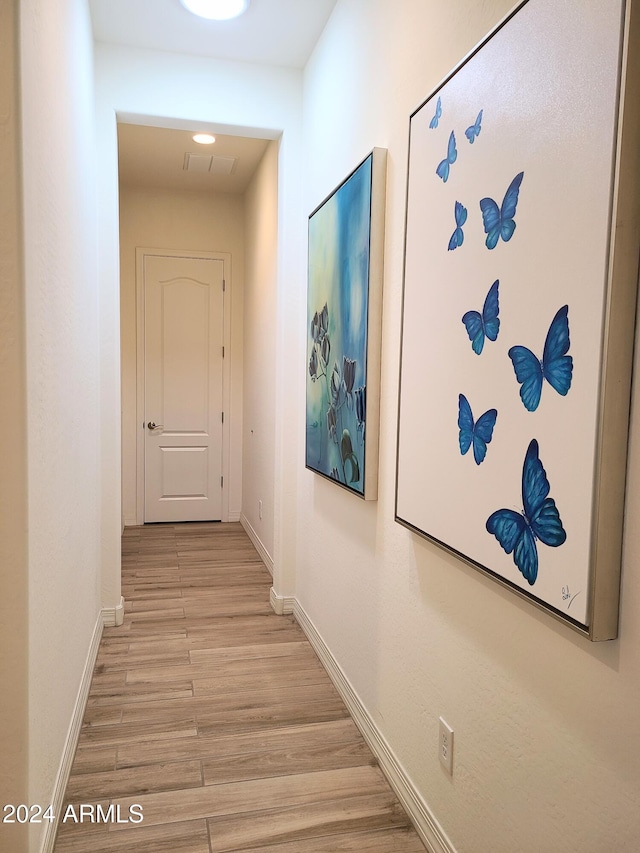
(519, 304)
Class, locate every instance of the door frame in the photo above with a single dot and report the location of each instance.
(225, 257)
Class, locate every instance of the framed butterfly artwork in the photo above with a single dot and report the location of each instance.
(519, 299)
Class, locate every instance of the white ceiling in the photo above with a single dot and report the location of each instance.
(271, 32)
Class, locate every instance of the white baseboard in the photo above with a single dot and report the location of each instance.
(69, 751)
(112, 617)
(281, 604)
(265, 556)
(234, 516)
(427, 827)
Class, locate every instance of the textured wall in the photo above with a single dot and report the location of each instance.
(260, 347)
(13, 450)
(547, 747)
(63, 379)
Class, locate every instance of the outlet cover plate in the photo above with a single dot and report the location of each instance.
(445, 746)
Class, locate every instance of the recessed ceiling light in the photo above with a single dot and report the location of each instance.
(203, 138)
(216, 10)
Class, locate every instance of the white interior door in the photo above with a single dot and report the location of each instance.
(183, 370)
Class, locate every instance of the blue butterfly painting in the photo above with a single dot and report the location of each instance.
(556, 366)
(434, 121)
(486, 325)
(498, 221)
(478, 433)
(517, 532)
(474, 130)
(442, 171)
(457, 238)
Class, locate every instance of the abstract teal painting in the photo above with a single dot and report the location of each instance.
(343, 329)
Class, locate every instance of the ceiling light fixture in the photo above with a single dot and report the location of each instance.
(216, 10)
(203, 138)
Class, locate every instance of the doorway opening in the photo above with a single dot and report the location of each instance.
(222, 218)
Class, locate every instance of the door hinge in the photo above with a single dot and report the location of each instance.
(222, 417)
(224, 285)
(223, 352)
(221, 482)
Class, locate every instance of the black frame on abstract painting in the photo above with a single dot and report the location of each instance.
(519, 298)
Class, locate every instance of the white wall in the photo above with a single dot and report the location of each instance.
(173, 90)
(166, 219)
(547, 744)
(260, 349)
(62, 341)
(14, 578)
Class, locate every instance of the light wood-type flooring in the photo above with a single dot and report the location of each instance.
(216, 718)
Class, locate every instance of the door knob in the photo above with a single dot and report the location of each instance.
(153, 426)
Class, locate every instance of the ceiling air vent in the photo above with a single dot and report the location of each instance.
(197, 162)
(208, 163)
(222, 165)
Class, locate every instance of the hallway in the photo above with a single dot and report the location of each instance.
(214, 717)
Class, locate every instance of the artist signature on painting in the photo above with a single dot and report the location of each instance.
(567, 596)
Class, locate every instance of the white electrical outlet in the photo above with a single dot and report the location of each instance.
(259, 509)
(445, 746)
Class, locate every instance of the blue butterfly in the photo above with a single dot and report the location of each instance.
(434, 121)
(486, 324)
(452, 155)
(479, 433)
(517, 532)
(457, 238)
(498, 222)
(474, 130)
(556, 366)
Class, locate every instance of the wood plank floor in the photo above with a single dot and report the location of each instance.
(214, 717)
